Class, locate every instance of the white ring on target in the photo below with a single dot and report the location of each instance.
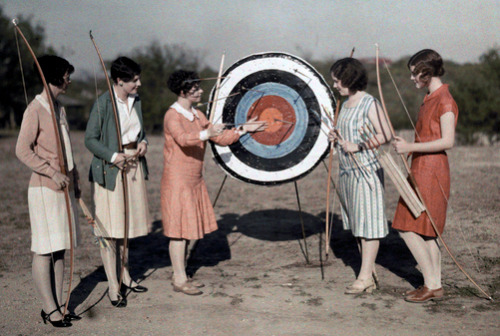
(315, 82)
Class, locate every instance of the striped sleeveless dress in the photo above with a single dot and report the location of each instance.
(362, 192)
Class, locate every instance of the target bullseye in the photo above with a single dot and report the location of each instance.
(280, 118)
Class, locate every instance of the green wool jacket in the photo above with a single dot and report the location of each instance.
(102, 140)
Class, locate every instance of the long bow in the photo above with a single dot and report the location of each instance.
(329, 177)
(60, 157)
(414, 182)
(120, 149)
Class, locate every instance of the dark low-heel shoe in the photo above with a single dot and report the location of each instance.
(69, 315)
(136, 289)
(120, 303)
(57, 324)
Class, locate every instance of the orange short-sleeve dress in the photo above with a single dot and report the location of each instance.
(431, 170)
(186, 208)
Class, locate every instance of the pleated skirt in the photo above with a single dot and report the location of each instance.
(186, 208)
(363, 195)
(109, 209)
(49, 220)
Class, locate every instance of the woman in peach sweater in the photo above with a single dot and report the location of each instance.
(187, 212)
(37, 148)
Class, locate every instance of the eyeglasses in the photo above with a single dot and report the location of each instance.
(194, 88)
(67, 78)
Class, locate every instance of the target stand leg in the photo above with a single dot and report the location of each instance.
(304, 249)
(220, 190)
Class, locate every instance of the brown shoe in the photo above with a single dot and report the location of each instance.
(425, 294)
(413, 291)
(187, 288)
(196, 283)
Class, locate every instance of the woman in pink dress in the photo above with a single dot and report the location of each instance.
(434, 134)
(187, 211)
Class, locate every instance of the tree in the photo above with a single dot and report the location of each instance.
(476, 89)
(12, 97)
(157, 63)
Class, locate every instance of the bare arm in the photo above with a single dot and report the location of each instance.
(446, 141)
(380, 124)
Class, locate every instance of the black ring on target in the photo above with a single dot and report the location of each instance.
(311, 135)
(304, 144)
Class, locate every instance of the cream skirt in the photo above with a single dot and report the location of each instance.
(49, 220)
(109, 205)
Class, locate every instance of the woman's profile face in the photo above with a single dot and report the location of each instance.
(66, 83)
(132, 86)
(194, 94)
(337, 85)
(416, 78)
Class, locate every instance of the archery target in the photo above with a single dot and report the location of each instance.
(290, 95)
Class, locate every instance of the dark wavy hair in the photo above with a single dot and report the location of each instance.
(54, 68)
(125, 69)
(182, 81)
(351, 73)
(428, 63)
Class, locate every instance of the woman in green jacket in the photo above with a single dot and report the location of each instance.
(101, 138)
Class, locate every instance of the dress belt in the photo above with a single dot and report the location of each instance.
(132, 145)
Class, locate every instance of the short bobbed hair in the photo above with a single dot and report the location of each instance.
(182, 81)
(428, 63)
(54, 68)
(125, 69)
(351, 73)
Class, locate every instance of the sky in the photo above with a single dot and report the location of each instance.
(460, 30)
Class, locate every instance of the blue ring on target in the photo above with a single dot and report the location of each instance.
(301, 117)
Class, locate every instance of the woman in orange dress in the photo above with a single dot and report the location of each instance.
(434, 134)
(187, 212)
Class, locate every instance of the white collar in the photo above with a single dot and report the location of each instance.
(189, 115)
(44, 102)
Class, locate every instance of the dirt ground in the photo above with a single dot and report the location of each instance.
(258, 281)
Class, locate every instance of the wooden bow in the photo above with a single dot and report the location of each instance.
(414, 182)
(217, 87)
(120, 150)
(60, 157)
(330, 163)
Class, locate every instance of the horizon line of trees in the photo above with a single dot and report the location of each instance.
(475, 87)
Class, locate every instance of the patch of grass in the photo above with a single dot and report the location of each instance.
(371, 306)
(251, 279)
(236, 301)
(489, 262)
(317, 301)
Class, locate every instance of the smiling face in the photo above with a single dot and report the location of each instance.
(131, 86)
(415, 77)
(194, 94)
(337, 85)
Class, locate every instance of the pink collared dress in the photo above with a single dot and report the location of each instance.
(186, 208)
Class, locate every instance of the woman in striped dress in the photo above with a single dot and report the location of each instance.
(361, 177)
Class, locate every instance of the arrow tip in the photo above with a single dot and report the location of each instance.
(14, 22)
